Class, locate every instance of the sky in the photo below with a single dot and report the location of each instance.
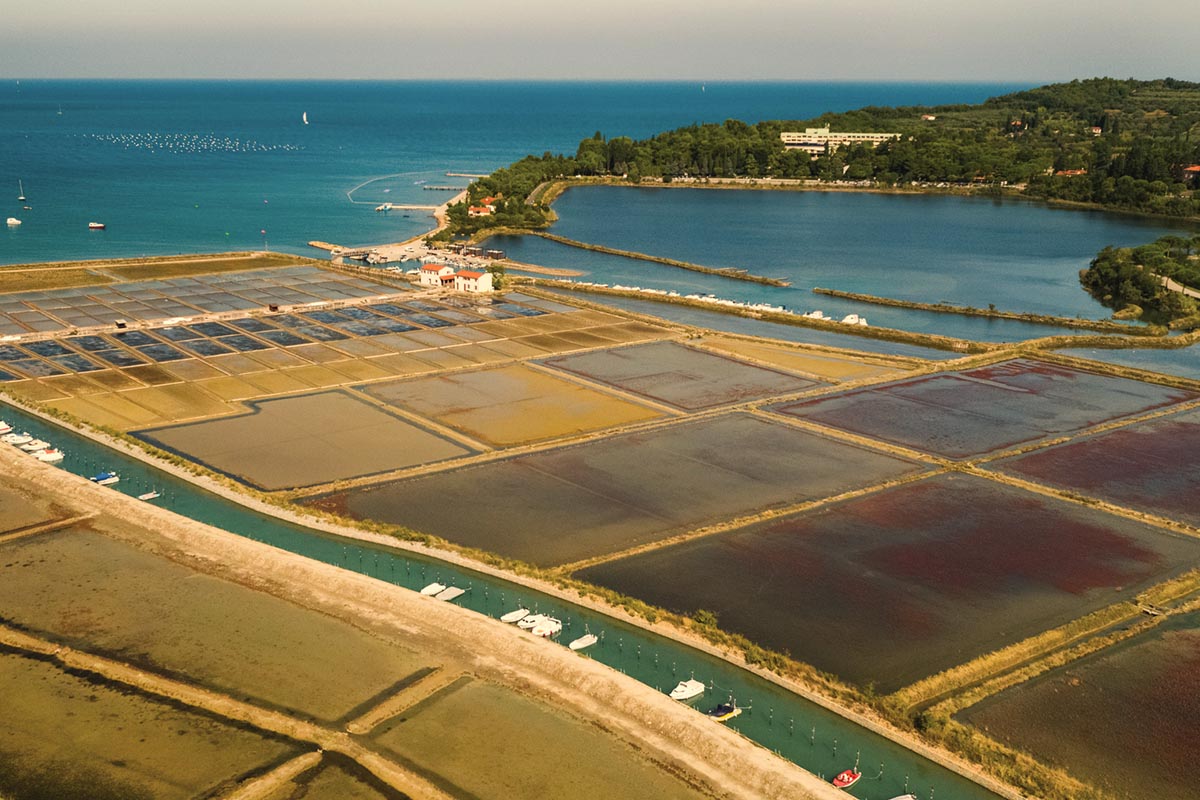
(945, 40)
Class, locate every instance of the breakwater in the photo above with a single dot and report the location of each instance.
(771, 313)
(726, 272)
(1101, 325)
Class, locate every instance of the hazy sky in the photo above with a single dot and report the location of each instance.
(1020, 40)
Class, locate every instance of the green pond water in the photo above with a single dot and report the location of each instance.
(801, 731)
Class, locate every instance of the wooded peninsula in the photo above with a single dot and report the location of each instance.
(1117, 144)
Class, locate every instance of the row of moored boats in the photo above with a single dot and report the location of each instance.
(38, 448)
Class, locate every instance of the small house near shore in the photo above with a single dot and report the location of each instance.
(467, 280)
(435, 275)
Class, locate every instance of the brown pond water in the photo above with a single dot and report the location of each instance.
(682, 376)
(894, 586)
(570, 503)
(1126, 720)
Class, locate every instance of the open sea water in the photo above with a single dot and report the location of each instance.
(202, 166)
(205, 166)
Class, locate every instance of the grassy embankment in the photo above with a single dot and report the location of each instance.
(1101, 325)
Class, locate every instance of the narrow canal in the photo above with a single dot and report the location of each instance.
(817, 740)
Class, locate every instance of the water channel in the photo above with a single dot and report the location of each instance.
(799, 730)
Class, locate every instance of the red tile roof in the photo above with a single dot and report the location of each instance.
(433, 267)
(467, 273)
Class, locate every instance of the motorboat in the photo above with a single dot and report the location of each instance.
(35, 444)
(450, 593)
(547, 628)
(854, 319)
(584, 642)
(13, 222)
(904, 797)
(5, 427)
(96, 226)
(687, 690)
(433, 588)
(106, 478)
(515, 616)
(150, 495)
(725, 711)
(49, 455)
(530, 622)
(16, 438)
(847, 778)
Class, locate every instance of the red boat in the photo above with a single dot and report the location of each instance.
(846, 778)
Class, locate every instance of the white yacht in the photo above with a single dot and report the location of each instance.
(450, 593)
(13, 222)
(547, 628)
(35, 444)
(515, 616)
(687, 690)
(532, 621)
(50, 456)
(16, 438)
(583, 642)
(5, 427)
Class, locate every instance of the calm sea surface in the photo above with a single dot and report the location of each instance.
(201, 166)
(196, 166)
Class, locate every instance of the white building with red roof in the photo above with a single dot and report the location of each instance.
(436, 275)
(468, 280)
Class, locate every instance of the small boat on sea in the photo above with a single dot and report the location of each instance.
(433, 588)
(846, 778)
(150, 495)
(904, 797)
(531, 622)
(20, 192)
(547, 628)
(105, 478)
(725, 711)
(515, 616)
(35, 444)
(304, 117)
(96, 226)
(584, 642)
(5, 427)
(50, 455)
(450, 593)
(13, 222)
(16, 438)
(686, 690)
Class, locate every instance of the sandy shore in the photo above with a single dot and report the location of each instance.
(714, 756)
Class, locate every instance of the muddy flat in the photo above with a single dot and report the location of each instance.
(73, 737)
(531, 750)
(511, 405)
(307, 440)
(562, 505)
(682, 376)
(894, 586)
(988, 409)
(107, 597)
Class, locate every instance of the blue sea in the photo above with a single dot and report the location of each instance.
(201, 166)
(204, 166)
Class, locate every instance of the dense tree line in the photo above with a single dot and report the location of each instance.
(1118, 143)
(1132, 277)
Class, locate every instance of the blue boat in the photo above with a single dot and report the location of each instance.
(105, 478)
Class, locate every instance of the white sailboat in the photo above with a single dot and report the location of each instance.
(20, 191)
(304, 117)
